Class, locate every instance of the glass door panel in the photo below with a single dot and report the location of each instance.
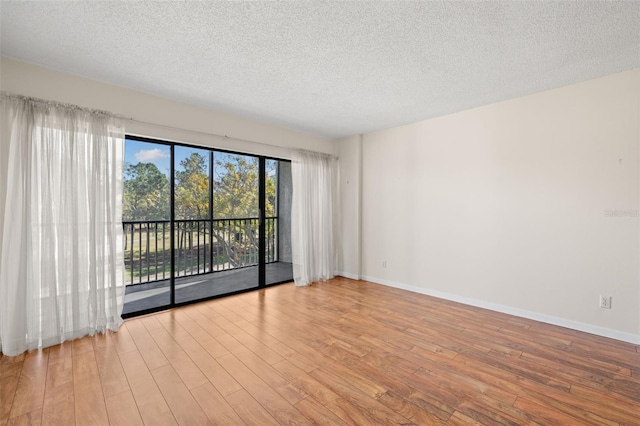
(236, 220)
(193, 252)
(278, 192)
(146, 226)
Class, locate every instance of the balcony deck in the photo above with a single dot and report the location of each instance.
(141, 297)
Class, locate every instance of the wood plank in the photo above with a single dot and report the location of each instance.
(556, 401)
(184, 408)
(9, 378)
(189, 373)
(240, 337)
(601, 380)
(60, 353)
(29, 393)
(544, 415)
(271, 377)
(276, 405)
(325, 396)
(123, 341)
(82, 345)
(32, 418)
(375, 412)
(103, 342)
(462, 420)
(608, 405)
(151, 404)
(431, 403)
(215, 406)
(224, 382)
(122, 410)
(151, 322)
(59, 405)
(151, 353)
(59, 398)
(58, 374)
(335, 359)
(90, 408)
(112, 376)
(409, 410)
(249, 410)
(318, 413)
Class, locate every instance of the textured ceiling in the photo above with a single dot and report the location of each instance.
(329, 68)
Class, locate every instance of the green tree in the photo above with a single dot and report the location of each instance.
(146, 193)
(270, 188)
(235, 192)
(235, 195)
(192, 188)
(236, 187)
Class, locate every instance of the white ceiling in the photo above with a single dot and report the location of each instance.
(329, 68)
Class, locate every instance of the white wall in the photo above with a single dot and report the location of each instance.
(350, 153)
(30, 80)
(504, 206)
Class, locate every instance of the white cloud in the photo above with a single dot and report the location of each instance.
(150, 155)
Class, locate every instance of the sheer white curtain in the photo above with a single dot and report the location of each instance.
(61, 257)
(313, 216)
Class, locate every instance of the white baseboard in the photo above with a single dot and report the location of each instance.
(549, 319)
(348, 275)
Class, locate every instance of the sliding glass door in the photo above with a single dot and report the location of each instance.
(220, 224)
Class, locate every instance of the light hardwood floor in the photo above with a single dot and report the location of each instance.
(341, 352)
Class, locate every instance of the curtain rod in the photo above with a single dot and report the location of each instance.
(226, 137)
(322, 154)
(57, 104)
(199, 132)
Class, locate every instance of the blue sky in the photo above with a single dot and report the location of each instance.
(142, 152)
(146, 152)
(160, 155)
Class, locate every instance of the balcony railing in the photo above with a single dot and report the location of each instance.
(201, 246)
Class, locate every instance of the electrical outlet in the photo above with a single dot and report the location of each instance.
(384, 264)
(605, 302)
